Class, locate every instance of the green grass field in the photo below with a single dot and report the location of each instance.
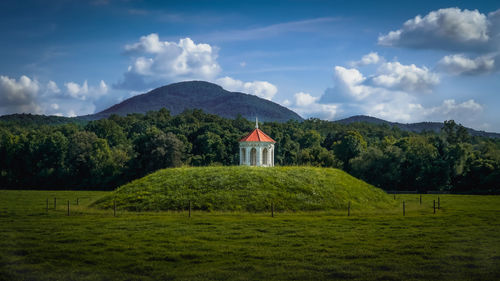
(460, 242)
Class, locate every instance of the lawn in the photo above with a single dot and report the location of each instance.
(460, 242)
(250, 189)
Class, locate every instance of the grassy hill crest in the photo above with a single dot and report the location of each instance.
(239, 188)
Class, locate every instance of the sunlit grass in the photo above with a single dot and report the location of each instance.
(459, 242)
(251, 189)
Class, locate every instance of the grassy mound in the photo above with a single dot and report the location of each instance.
(246, 189)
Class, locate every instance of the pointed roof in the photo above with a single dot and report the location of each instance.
(257, 135)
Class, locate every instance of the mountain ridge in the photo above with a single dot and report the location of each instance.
(412, 127)
(209, 97)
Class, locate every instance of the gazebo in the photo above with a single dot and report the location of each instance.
(257, 149)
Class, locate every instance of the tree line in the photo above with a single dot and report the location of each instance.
(106, 153)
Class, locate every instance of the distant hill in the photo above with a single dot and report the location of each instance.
(27, 119)
(210, 98)
(412, 127)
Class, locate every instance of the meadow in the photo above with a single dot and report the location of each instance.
(459, 242)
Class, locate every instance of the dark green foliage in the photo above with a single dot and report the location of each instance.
(110, 152)
(24, 119)
(156, 150)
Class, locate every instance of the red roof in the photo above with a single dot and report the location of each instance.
(257, 135)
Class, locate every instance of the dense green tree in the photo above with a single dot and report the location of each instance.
(35, 153)
(90, 159)
(349, 146)
(109, 130)
(156, 150)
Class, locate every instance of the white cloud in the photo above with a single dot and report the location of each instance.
(304, 99)
(450, 109)
(52, 87)
(405, 108)
(394, 75)
(84, 92)
(103, 88)
(448, 29)
(27, 95)
(456, 30)
(148, 44)
(159, 62)
(261, 89)
(349, 81)
(388, 94)
(18, 96)
(460, 64)
(371, 58)
(307, 105)
(315, 25)
(77, 91)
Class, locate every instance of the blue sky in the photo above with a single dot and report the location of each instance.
(404, 61)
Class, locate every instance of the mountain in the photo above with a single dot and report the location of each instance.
(412, 127)
(210, 98)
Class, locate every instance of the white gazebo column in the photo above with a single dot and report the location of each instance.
(259, 156)
(272, 156)
(248, 149)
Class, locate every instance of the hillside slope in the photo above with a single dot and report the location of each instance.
(248, 189)
(211, 98)
(412, 127)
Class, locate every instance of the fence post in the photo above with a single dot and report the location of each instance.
(189, 208)
(434, 206)
(439, 203)
(420, 198)
(77, 199)
(272, 209)
(68, 207)
(403, 208)
(114, 207)
(349, 209)
(54, 203)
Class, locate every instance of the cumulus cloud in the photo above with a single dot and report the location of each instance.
(453, 29)
(406, 109)
(447, 29)
(18, 96)
(261, 89)
(371, 58)
(156, 62)
(52, 87)
(307, 105)
(26, 95)
(349, 81)
(395, 75)
(460, 64)
(389, 75)
(390, 93)
(84, 92)
(450, 109)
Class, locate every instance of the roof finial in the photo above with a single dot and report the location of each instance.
(256, 123)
